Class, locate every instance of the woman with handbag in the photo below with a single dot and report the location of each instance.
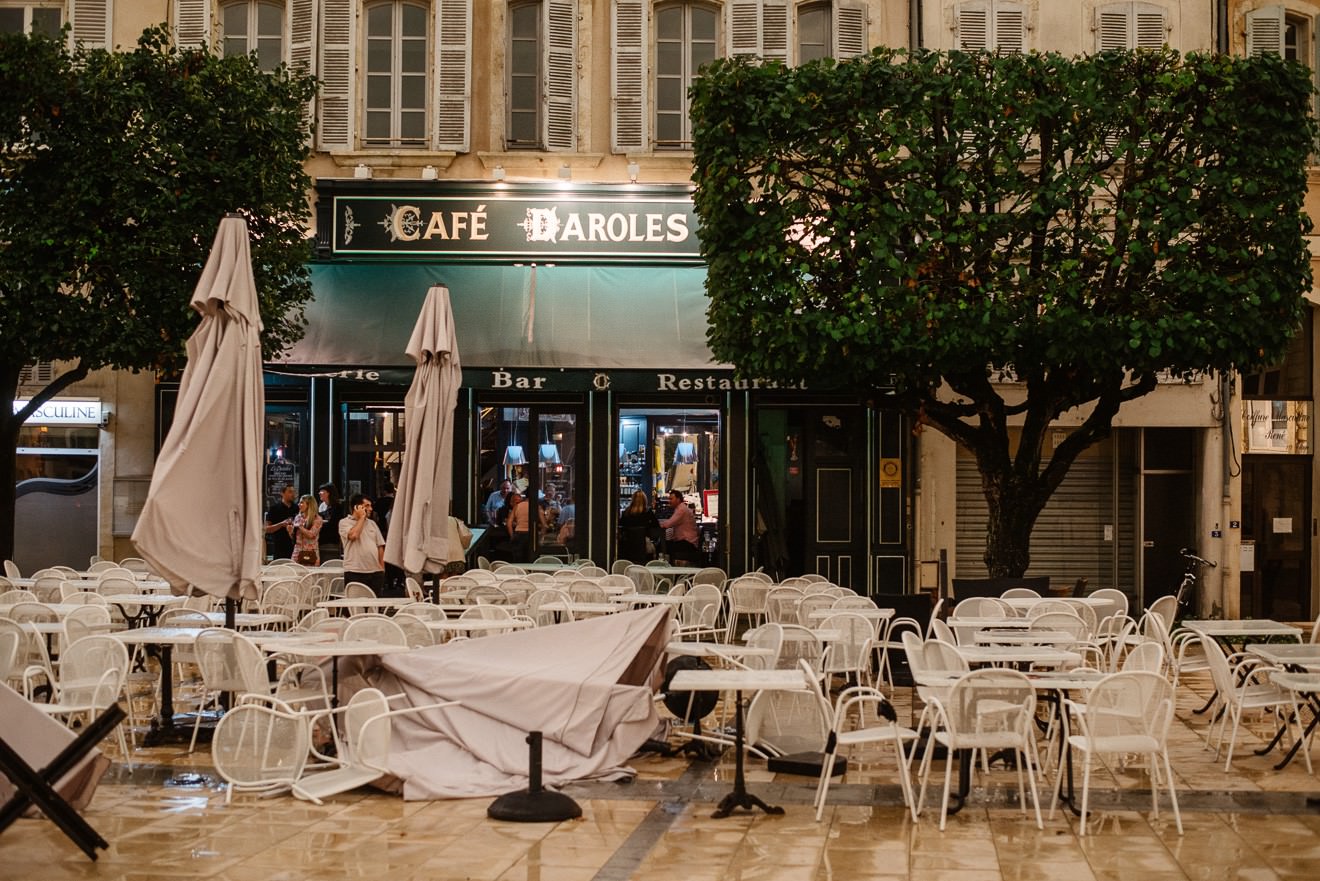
(306, 532)
(635, 525)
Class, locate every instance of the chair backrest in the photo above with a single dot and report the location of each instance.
(1118, 601)
(6, 584)
(483, 563)
(311, 619)
(786, 722)
(812, 602)
(93, 671)
(767, 636)
(1049, 607)
(854, 602)
(183, 618)
(376, 628)
(747, 595)
(461, 583)
(701, 605)
(620, 566)
(488, 595)
(586, 592)
(642, 578)
(84, 598)
(1146, 656)
(1128, 704)
(414, 589)
(48, 587)
(135, 564)
(1166, 607)
(758, 575)
(424, 611)
(592, 572)
(11, 570)
(994, 705)
(261, 747)
(939, 629)
(793, 581)
(217, 660)
(9, 643)
(801, 644)
(489, 613)
(566, 574)
(1019, 592)
(358, 590)
(1217, 661)
(367, 730)
(915, 649)
(113, 571)
(547, 558)
(99, 565)
(24, 613)
(112, 584)
(414, 629)
(710, 575)
(781, 604)
(540, 597)
(615, 579)
(940, 656)
(89, 614)
(982, 607)
(10, 597)
(1065, 622)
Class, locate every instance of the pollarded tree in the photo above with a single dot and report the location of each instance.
(115, 169)
(930, 223)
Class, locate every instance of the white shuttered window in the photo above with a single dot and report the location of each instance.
(561, 75)
(985, 26)
(338, 31)
(91, 22)
(1131, 26)
(628, 75)
(453, 87)
(192, 22)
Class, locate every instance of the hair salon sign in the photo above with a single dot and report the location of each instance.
(499, 225)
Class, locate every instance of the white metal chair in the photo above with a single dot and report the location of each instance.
(362, 752)
(849, 656)
(1241, 689)
(358, 590)
(91, 678)
(218, 665)
(260, 746)
(986, 710)
(982, 607)
(1019, 593)
(544, 595)
(375, 628)
(862, 700)
(414, 630)
(699, 615)
(1126, 713)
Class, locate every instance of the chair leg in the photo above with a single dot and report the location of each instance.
(1232, 740)
(948, 778)
(1173, 795)
(903, 779)
(823, 785)
(1031, 780)
(1086, 790)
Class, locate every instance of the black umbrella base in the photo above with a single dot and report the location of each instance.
(545, 806)
(181, 731)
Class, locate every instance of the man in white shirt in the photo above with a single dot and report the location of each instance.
(364, 545)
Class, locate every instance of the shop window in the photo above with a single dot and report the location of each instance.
(31, 18)
(254, 26)
(394, 105)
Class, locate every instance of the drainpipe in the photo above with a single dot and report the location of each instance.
(1220, 15)
(1227, 574)
(915, 23)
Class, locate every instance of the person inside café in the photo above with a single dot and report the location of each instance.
(306, 532)
(636, 524)
(496, 500)
(329, 509)
(279, 517)
(520, 524)
(364, 545)
(681, 534)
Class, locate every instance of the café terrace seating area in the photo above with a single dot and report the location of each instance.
(975, 736)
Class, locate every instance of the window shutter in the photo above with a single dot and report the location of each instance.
(1010, 21)
(1150, 31)
(335, 69)
(192, 23)
(302, 44)
(1265, 31)
(775, 28)
(974, 27)
(453, 84)
(91, 22)
(745, 27)
(561, 74)
(628, 75)
(1111, 26)
(849, 28)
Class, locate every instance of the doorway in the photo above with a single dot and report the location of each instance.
(810, 493)
(1276, 537)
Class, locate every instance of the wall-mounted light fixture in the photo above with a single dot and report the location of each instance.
(633, 170)
(362, 172)
(429, 173)
(565, 173)
(497, 173)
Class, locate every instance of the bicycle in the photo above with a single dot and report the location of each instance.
(1187, 589)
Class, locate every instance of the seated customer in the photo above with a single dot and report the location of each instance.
(681, 532)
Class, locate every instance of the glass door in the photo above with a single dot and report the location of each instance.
(530, 471)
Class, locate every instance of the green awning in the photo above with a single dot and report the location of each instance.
(586, 317)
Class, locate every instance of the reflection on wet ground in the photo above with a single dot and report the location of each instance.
(167, 818)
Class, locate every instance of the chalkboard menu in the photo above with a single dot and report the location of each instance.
(278, 476)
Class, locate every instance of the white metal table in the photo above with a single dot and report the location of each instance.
(166, 638)
(739, 681)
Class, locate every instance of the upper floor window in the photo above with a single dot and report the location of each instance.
(1131, 26)
(31, 18)
(1273, 29)
(254, 26)
(685, 39)
(992, 26)
(524, 75)
(813, 32)
(394, 109)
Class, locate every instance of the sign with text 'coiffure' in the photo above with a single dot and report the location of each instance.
(514, 222)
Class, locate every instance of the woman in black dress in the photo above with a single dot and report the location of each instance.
(635, 524)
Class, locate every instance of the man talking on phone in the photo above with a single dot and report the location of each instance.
(364, 545)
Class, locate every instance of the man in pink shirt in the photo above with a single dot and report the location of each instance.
(681, 532)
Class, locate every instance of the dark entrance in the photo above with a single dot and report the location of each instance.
(810, 493)
(1276, 521)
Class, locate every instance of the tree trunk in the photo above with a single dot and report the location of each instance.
(1014, 506)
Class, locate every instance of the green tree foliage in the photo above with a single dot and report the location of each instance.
(115, 170)
(934, 223)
